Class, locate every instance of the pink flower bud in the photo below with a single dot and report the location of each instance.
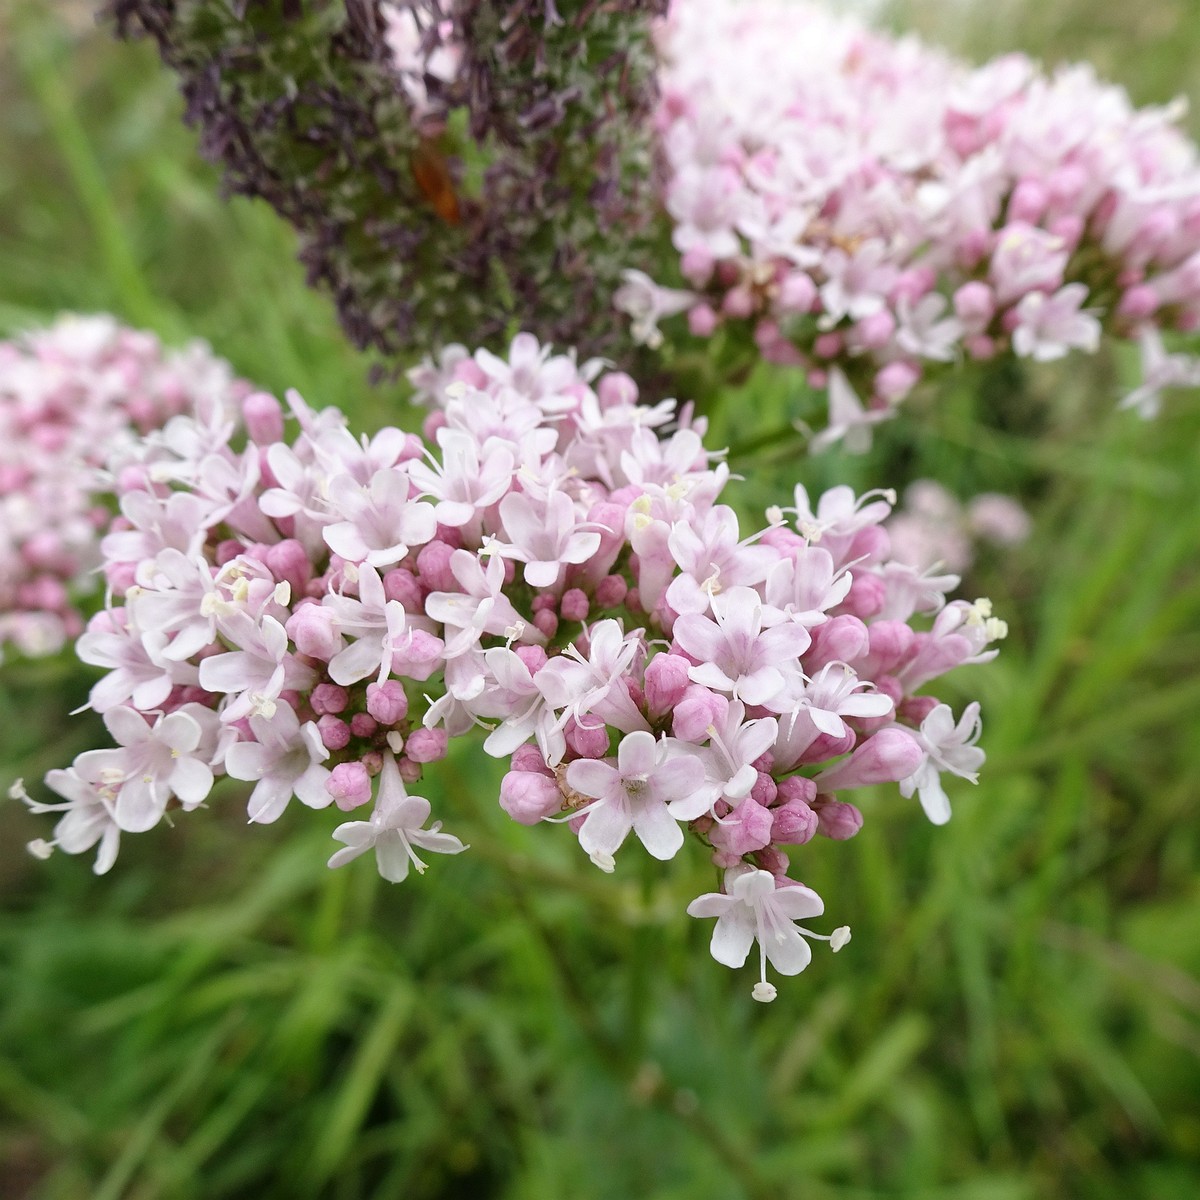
(797, 293)
(611, 591)
(772, 859)
(588, 741)
(724, 859)
(974, 305)
(401, 584)
(363, 725)
(1138, 303)
(840, 639)
(546, 622)
(288, 561)
(797, 788)
(896, 380)
(875, 331)
(697, 265)
(764, 790)
(574, 606)
(349, 784)
(433, 564)
(838, 821)
(534, 658)
(410, 771)
(828, 345)
(885, 757)
(335, 733)
(616, 389)
(427, 745)
(702, 320)
(738, 302)
(387, 702)
(891, 643)
(916, 708)
(314, 630)
(529, 758)
(1028, 201)
(867, 595)
(528, 797)
(793, 823)
(666, 682)
(698, 709)
(263, 416)
(746, 829)
(328, 698)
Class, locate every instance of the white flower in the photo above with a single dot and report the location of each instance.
(755, 909)
(395, 827)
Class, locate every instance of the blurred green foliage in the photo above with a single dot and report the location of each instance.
(1018, 1015)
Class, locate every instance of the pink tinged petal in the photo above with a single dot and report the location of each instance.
(190, 780)
(679, 778)
(179, 731)
(761, 686)
(392, 857)
(268, 800)
(709, 675)
(249, 760)
(866, 704)
(454, 513)
(151, 693)
(786, 950)
(110, 843)
(231, 672)
(637, 753)
(657, 830)
(542, 574)
(744, 779)
(733, 937)
(605, 827)
(785, 641)
(310, 787)
(699, 637)
(437, 843)
(140, 805)
(796, 902)
(711, 904)
(345, 540)
(507, 736)
(360, 659)
(828, 722)
(592, 777)
(934, 801)
(126, 725)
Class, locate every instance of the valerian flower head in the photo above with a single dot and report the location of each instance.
(599, 622)
(873, 211)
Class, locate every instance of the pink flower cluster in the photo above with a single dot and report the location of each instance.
(319, 614)
(933, 529)
(871, 208)
(70, 397)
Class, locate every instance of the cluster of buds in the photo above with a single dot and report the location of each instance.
(71, 396)
(870, 208)
(320, 614)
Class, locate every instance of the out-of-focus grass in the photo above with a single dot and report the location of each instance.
(1018, 1015)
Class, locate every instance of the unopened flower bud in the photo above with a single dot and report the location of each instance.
(387, 702)
(696, 712)
(528, 797)
(314, 630)
(885, 757)
(349, 784)
(793, 823)
(427, 745)
(263, 416)
(335, 733)
(746, 829)
(666, 681)
(838, 821)
(328, 698)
